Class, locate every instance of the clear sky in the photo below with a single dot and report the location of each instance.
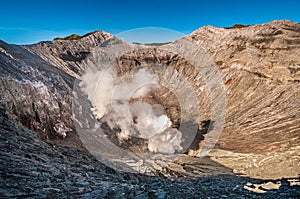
(30, 21)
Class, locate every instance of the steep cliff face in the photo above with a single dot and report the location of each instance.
(261, 72)
(37, 82)
(35, 92)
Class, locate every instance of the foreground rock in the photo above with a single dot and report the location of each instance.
(31, 168)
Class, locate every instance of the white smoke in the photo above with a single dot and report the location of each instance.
(111, 97)
(91, 86)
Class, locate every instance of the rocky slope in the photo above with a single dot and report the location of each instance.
(33, 168)
(67, 55)
(260, 72)
(35, 92)
(37, 82)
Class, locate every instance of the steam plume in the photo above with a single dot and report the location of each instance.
(111, 96)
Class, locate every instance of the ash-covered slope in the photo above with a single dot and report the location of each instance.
(261, 72)
(35, 92)
(68, 54)
(37, 81)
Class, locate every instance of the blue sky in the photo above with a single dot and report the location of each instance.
(30, 21)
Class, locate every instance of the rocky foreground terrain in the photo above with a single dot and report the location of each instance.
(43, 156)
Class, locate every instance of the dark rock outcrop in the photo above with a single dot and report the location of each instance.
(35, 92)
